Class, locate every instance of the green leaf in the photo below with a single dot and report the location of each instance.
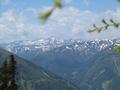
(93, 30)
(111, 21)
(116, 25)
(58, 3)
(94, 26)
(99, 29)
(104, 21)
(44, 17)
(117, 49)
(106, 27)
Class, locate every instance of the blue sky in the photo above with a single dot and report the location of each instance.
(19, 19)
(96, 5)
(93, 5)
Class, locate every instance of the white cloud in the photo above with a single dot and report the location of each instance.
(75, 23)
(16, 26)
(66, 23)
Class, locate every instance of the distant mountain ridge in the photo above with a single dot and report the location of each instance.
(51, 43)
(36, 47)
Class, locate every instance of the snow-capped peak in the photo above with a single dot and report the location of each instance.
(43, 45)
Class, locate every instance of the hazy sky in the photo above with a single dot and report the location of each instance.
(19, 19)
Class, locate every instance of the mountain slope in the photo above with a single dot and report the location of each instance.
(103, 72)
(92, 65)
(31, 77)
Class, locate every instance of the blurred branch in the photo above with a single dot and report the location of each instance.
(117, 49)
(45, 15)
(106, 25)
(58, 4)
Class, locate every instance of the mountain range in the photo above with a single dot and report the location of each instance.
(91, 65)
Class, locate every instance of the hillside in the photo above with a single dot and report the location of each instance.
(31, 77)
(103, 72)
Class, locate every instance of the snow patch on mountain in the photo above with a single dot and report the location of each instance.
(44, 45)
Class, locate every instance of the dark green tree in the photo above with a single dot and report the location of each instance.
(13, 85)
(4, 77)
(7, 75)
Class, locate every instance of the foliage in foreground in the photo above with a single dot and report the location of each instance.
(45, 15)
